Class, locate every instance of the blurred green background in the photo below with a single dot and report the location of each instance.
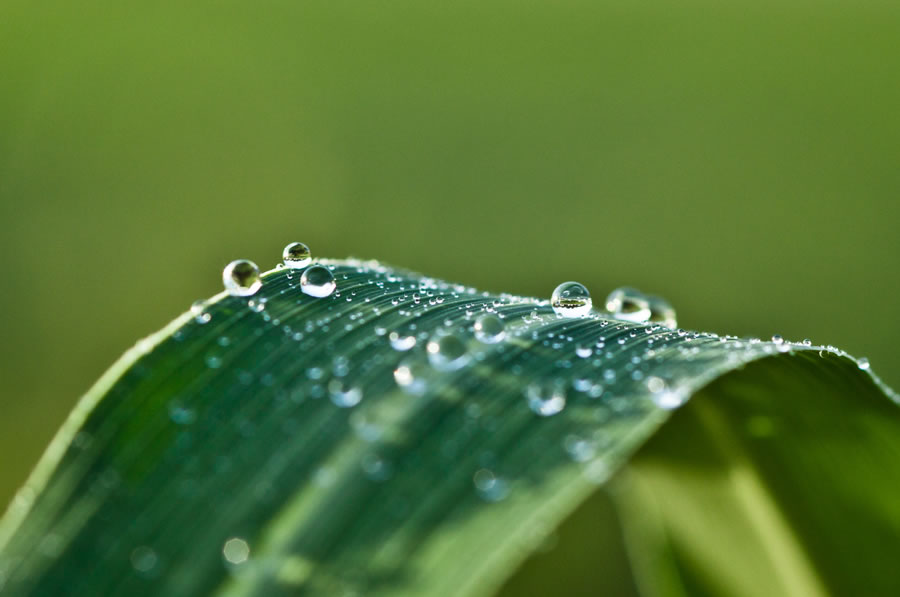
(740, 158)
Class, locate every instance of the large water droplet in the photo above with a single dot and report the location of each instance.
(662, 312)
(296, 256)
(489, 329)
(571, 299)
(545, 399)
(628, 304)
(241, 278)
(317, 281)
(446, 352)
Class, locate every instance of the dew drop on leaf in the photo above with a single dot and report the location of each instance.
(201, 315)
(446, 352)
(343, 394)
(241, 278)
(662, 312)
(545, 399)
(317, 281)
(401, 343)
(296, 256)
(236, 551)
(489, 486)
(571, 299)
(489, 329)
(628, 304)
(143, 559)
(409, 375)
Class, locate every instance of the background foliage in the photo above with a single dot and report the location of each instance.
(739, 159)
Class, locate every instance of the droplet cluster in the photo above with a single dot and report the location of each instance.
(456, 377)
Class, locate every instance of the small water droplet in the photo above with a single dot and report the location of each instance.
(583, 351)
(655, 384)
(180, 414)
(410, 376)
(376, 468)
(257, 305)
(863, 363)
(571, 299)
(143, 559)
(628, 304)
(663, 396)
(545, 399)
(401, 343)
(446, 352)
(776, 339)
(489, 486)
(201, 316)
(662, 312)
(317, 281)
(489, 329)
(236, 551)
(296, 256)
(580, 449)
(343, 394)
(241, 278)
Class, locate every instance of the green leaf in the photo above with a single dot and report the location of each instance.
(293, 427)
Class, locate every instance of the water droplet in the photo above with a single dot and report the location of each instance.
(446, 352)
(583, 351)
(628, 304)
(143, 559)
(344, 395)
(662, 312)
(489, 329)
(655, 384)
(863, 363)
(489, 486)
(236, 551)
(410, 376)
(545, 399)
(257, 305)
(663, 396)
(401, 343)
(376, 468)
(571, 299)
(580, 449)
(296, 256)
(180, 414)
(317, 281)
(201, 316)
(241, 278)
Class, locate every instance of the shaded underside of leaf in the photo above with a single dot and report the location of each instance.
(778, 479)
(239, 428)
